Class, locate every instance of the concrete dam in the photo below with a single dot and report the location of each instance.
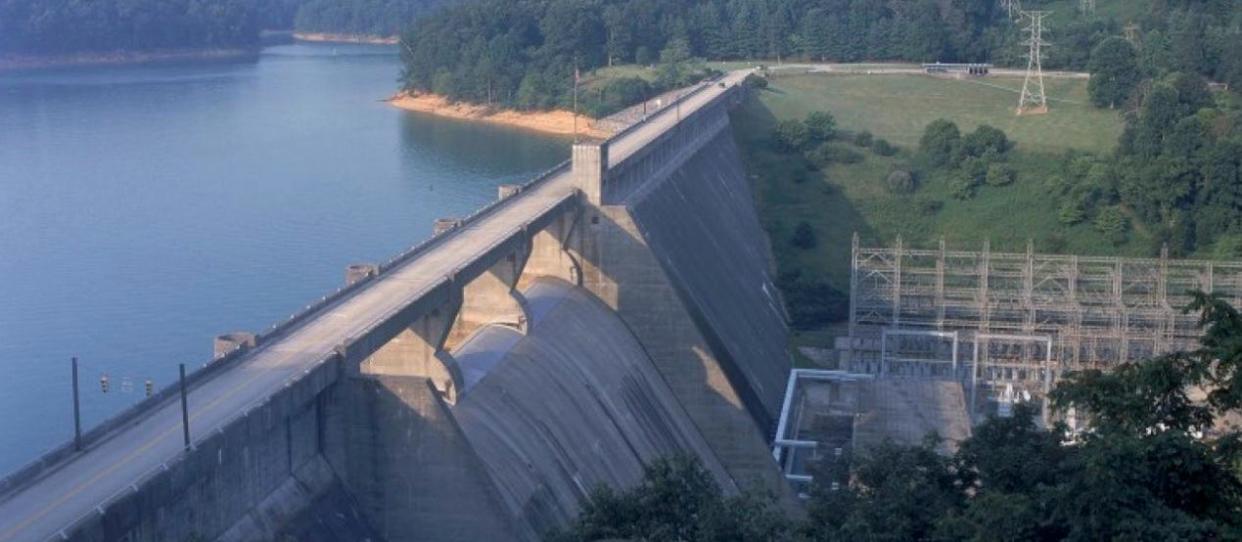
(614, 310)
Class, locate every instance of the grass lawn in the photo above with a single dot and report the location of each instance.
(898, 107)
(842, 199)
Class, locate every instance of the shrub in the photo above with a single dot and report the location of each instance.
(617, 95)
(1056, 184)
(928, 206)
(643, 55)
(821, 126)
(985, 138)
(1227, 247)
(963, 187)
(828, 153)
(1001, 175)
(755, 81)
(883, 148)
(900, 181)
(975, 169)
(863, 139)
(804, 236)
(792, 135)
(1113, 223)
(1071, 213)
(1054, 243)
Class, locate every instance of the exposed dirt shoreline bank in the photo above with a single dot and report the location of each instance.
(549, 122)
(13, 62)
(325, 37)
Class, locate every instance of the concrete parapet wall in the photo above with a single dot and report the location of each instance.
(667, 153)
(227, 474)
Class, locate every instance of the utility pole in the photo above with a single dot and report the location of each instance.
(77, 413)
(576, 78)
(1033, 100)
(1011, 7)
(185, 411)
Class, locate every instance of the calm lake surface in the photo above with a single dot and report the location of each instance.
(145, 209)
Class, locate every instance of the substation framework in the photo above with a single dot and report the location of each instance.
(1021, 318)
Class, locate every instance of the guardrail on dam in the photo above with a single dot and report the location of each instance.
(619, 305)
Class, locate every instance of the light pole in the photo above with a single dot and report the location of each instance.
(185, 410)
(77, 413)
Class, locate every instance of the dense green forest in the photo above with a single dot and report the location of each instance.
(46, 27)
(524, 53)
(1155, 465)
(372, 17)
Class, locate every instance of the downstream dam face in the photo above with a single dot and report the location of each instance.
(610, 313)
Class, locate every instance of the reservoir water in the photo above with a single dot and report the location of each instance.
(145, 209)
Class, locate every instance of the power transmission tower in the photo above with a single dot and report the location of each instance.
(1034, 101)
(1087, 7)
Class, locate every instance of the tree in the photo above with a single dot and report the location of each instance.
(985, 140)
(895, 493)
(1114, 72)
(1000, 175)
(811, 301)
(863, 139)
(804, 236)
(939, 142)
(828, 153)
(963, 187)
(900, 182)
(1071, 213)
(1113, 223)
(677, 499)
(821, 126)
(792, 135)
(882, 147)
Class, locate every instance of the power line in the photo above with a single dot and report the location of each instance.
(1034, 101)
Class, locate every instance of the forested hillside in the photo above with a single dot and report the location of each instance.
(370, 17)
(521, 53)
(47, 27)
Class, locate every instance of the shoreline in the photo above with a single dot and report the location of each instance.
(15, 62)
(328, 37)
(556, 122)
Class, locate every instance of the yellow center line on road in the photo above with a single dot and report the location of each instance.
(8, 535)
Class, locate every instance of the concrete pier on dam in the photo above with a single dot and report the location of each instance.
(614, 310)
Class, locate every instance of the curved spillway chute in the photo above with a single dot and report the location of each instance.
(572, 404)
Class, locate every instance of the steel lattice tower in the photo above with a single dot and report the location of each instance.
(1087, 7)
(1034, 101)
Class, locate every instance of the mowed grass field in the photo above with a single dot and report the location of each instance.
(898, 107)
(839, 200)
